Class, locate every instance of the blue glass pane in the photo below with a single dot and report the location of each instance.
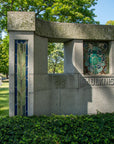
(21, 77)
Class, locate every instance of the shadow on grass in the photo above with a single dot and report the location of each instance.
(4, 100)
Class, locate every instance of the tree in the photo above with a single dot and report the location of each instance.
(4, 56)
(110, 22)
(77, 11)
(56, 59)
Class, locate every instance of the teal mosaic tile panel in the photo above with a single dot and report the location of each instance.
(96, 57)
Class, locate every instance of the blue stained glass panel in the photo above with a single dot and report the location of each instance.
(21, 75)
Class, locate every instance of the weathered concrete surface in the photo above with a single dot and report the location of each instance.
(66, 31)
(60, 94)
(21, 21)
(73, 56)
(102, 100)
(58, 32)
(72, 94)
(30, 37)
(40, 55)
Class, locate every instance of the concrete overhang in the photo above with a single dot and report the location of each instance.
(58, 32)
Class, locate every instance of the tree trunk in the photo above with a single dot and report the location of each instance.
(54, 68)
(6, 76)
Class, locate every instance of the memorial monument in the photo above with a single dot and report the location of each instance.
(87, 85)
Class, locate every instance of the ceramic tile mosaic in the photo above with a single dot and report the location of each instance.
(96, 57)
(21, 77)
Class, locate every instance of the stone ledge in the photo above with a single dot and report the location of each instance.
(62, 32)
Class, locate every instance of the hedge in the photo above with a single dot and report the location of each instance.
(72, 129)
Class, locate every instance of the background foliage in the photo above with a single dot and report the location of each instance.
(4, 56)
(110, 22)
(56, 58)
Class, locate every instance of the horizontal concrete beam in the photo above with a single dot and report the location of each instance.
(67, 31)
(58, 32)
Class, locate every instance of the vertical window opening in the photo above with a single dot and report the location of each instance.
(55, 58)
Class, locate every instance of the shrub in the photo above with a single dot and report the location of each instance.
(58, 129)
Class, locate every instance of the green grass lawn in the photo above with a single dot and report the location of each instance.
(85, 129)
(4, 99)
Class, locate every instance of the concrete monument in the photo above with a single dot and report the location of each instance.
(87, 84)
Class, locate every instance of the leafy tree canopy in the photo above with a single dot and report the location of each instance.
(110, 22)
(4, 55)
(56, 58)
(77, 11)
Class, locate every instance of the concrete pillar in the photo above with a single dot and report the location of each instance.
(11, 75)
(73, 56)
(21, 36)
(41, 55)
(111, 58)
(40, 71)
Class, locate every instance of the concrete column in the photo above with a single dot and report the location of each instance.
(11, 75)
(73, 56)
(40, 72)
(41, 55)
(21, 36)
(111, 58)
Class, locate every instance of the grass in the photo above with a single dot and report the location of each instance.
(4, 99)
